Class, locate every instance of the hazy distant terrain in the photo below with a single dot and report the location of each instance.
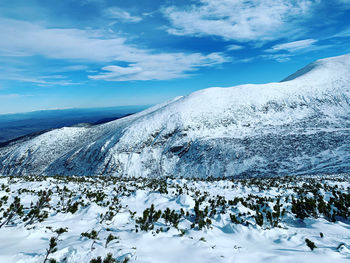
(15, 125)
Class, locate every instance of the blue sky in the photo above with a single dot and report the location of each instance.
(97, 53)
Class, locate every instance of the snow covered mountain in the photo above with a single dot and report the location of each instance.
(298, 126)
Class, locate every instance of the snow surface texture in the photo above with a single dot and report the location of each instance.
(222, 241)
(298, 126)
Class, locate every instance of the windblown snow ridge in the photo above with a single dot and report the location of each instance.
(298, 126)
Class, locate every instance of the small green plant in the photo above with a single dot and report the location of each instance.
(200, 216)
(37, 213)
(108, 259)
(310, 244)
(234, 219)
(15, 210)
(53, 244)
(96, 260)
(182, 232)
(149, 217)
(109, 239)
(340, 246)
(259, 218)
(171, 217)
(72, 208)
(92, 235)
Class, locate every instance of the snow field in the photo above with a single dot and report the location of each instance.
(221, 240)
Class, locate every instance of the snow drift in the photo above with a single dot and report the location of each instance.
(298, 126)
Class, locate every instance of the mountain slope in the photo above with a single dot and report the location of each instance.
(300, 125)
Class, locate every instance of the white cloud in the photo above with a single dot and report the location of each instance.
(277, 57)
(240, 20)
(122, 15)
(13, 96)
(343, 33)
(234, 47)
(294, 46)
(95, 46)
(160, 67)
(55, 80)
(285, 51)
(27, 39)
(346, 3)
(73, 68)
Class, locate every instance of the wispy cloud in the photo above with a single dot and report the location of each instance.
(277, 57)
(73, 68)
(13, 96)
(294, 46)
(30, 39)
(160, 67)
(343, 33)
(234, 47)
(345, 3)
(122, 15)
(257, 20)
(100, 47)
(55, 80)
(285, 51)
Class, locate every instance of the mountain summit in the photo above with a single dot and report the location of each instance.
(298, 126)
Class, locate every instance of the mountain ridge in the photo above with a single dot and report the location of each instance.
(296, 126)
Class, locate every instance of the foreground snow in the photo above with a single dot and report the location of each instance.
(199, 235)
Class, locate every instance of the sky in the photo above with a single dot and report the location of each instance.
(101, 53)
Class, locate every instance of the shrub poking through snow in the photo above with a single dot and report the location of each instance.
(37, 213)
(96, 260)
(109, 239)
(310, 244)
(53, 244)
(200, 216)
(171, 217)
(340, 247)
(15, 210)
(108, 259)
(265, 202)
(259, 218)
(234, 219)
(149, 217)
(93, 235)
(72, 208)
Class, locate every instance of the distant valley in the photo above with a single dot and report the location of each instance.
(16, 125)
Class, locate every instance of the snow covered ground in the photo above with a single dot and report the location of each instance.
(191, 220)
